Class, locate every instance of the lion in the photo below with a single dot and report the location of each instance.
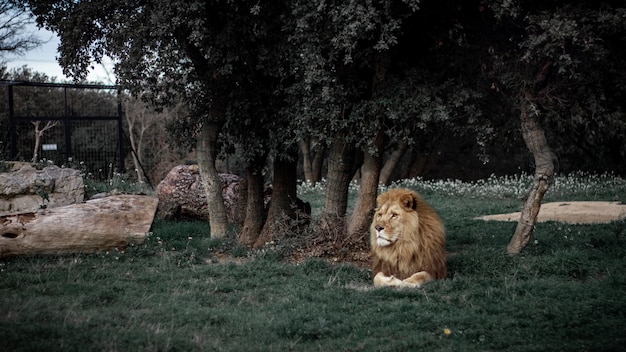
(407, 240)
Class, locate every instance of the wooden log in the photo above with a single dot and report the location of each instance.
(96, 225)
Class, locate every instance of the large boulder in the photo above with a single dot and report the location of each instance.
(23, 187)
(182, 196)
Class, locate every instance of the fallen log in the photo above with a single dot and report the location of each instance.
(97, 225)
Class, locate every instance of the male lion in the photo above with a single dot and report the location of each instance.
(407, 239)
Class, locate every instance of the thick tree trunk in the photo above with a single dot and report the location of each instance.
(537, 144)
(364, 209)
(339, 175)
(255, 208)
(282, 206)
(96, 225)
(390, 164)
(207, 154)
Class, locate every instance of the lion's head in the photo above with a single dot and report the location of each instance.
(407, 236)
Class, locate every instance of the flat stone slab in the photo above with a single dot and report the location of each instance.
(594, 212)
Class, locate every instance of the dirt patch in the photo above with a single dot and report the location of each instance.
(572, 213)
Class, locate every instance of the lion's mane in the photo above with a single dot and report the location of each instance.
(420, 242)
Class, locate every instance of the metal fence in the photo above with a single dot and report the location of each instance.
(79, 125)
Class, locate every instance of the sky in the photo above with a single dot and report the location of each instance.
(43, 59)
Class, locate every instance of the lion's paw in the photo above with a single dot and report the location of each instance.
(381, 280)
(418, 279)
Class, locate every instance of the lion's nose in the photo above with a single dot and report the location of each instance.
(379, 228)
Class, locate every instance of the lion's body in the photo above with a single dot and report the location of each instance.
(407, 240)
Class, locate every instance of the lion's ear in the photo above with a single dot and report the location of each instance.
(408, 201)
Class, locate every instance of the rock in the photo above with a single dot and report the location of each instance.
(25, 188)
(93, 226)
(181, 195)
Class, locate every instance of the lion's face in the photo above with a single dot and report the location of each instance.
(394, 214)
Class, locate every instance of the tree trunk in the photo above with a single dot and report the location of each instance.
(255, 208)
(307, 163)
(390, 164)
(131, 114)
(37, 143)
(38, 134)
(97, 225)
(417, 165)
(282, 206)
(364, 209)
(138, 154)
(537, 144)
(207, 154)
(339, 175)
(318, 161)
(311, 162)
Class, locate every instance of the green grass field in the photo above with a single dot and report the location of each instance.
(175, 292)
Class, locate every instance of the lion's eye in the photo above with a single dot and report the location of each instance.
(394, 215)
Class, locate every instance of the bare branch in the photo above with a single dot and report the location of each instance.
(14, 23)
(39, 133)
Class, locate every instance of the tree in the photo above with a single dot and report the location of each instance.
(341, 62)
(312, 159)
(14, 22)
(346, 76)
(550, 60)
(138, 123)
(362, 86)
(39, 131)
(147, 133)
(198, 52)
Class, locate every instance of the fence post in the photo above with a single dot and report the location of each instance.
(69, 153)
(13, 141)
(120, 132)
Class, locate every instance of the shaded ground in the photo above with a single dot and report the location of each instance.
(357, 251)
(336, 249)
(572, 212)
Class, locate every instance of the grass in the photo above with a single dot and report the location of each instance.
(175, 292)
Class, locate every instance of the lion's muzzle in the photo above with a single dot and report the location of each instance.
(381, 238)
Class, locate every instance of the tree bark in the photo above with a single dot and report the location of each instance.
(318, 161)
(311, 162)
(96, 225)
(255, 208)
(207, 154)
(282, 206)
(372, 166)
(366, 202)
(307, 163)
(132, 115)
(390, 164)
(38, 134)
(537, 144)
(339, 175)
